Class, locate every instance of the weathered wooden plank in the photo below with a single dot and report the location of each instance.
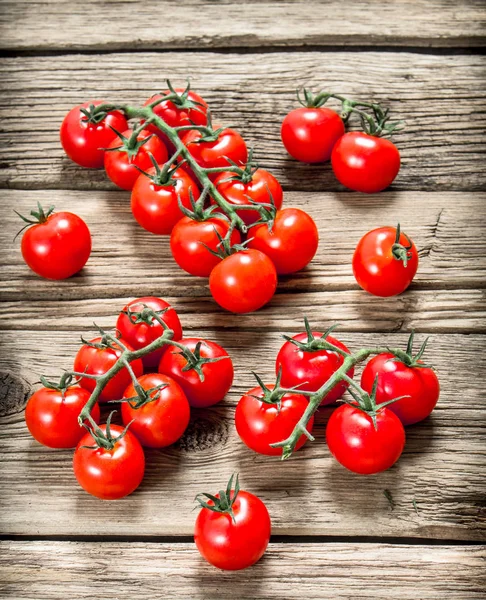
(442, 466)
(440, 97)
(201, 24)
(60, 570)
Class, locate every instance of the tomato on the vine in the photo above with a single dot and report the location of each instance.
(213, 150)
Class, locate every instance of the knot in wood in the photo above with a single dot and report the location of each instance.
(14, 393)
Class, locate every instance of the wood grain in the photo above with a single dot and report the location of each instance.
(441, 99)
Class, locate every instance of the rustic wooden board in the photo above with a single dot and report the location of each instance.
(440, 97)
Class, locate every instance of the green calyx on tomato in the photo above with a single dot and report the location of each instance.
(147, 315)
(103, 440)
(132, 144)
(95, 114)
(313, 344)
(105, 341)
(401, 252)
(274, 394)
(194, 359)
(181, 100)
(408, 358)
(40, 216)
(162, 176)
(66, 381)
(243, 174)
(223, 503)
(144, 396)
(225, 247)
(198, 212)
(208, 133)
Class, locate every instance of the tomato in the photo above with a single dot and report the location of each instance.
(84, 136)
(140, 329)
(190, 240)
(309, 133)
(260, 424)
(217, 372)
(244, 281)
(52, 416)
(365, 163)
(385, 262)
(156, 206)
(290, 242)
(97, 361)
(159, 422)
(113, 473)
(358, 446)
(130, 151)
(232, 532)
(262, 188)
(57, 245)
(215, 153)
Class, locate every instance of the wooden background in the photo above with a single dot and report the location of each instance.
(335, 535)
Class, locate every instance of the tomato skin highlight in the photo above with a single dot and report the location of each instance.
(354, 442)
(85, 142)
(310, 134)
(188, 241)
(52, 417)
(244, 281)
(397, 379)
(234, 546)
(375, 268)
(365, 163)
(210, 155)
(109, 474)
(259, 424)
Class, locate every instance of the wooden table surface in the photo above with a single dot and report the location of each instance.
(335, 534)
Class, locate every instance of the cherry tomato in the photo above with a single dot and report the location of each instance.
(190, 240)
(212, 154)
(244, 281)
(218, 375)
(290, 243)
(358, 446)
(156, 207)
(84, 136)
(381, 266)
(120, 164)
(260, 424)
(309, 134)
(140, 330)
(52, 416)
(109, 474)
(57, 245)
(365, 163)
(162, 421)
(97, 361)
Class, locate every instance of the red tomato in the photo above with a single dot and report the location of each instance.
(109, 474)
(365, 163)
(84, 137)
(309, 134)
(311, 370)
(381, 266)
(260, 424)
(218, 375)
(156, 207)
(140, 329)
(162, 421)
(244, 281)
(397, 379)
(212, 154)
(262, 188)
(291, 243)
(52, 416)
(57, 245)
(358, 446)
(120, 164)
(97, 361)
(190, 240)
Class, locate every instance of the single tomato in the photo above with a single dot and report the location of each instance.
(212, 150)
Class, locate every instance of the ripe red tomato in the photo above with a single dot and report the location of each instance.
(97, 361)
(85, 136)
(156, 207)
(365, 163)
(57, 245)
(162, 421)
(52, 416)
(311, 370)
(120, 164)
(397, 379)
(109, 474)
(358, 446)
(140, 329)
(244, 281)
(212, 154)
(382, 266)
(218, 375)
(260, 424)
(309, 134)
(190, 240)
(262, 188)
(291, 243)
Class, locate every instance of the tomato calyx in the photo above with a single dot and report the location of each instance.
(275, 394)
(315, 344)
(144, 396)
(66, 381)
(107, 340)
(243, 174)
(131, 145)
(39, 216)
(104, 439)
(194, 359)
(95, 114)
(225, 247)
(401, 252)
(147, 315)
(162, 177)
(180, 100)
(408, 358)
(312, 100)
(224, 503)
(208, 132)
(198, 212)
